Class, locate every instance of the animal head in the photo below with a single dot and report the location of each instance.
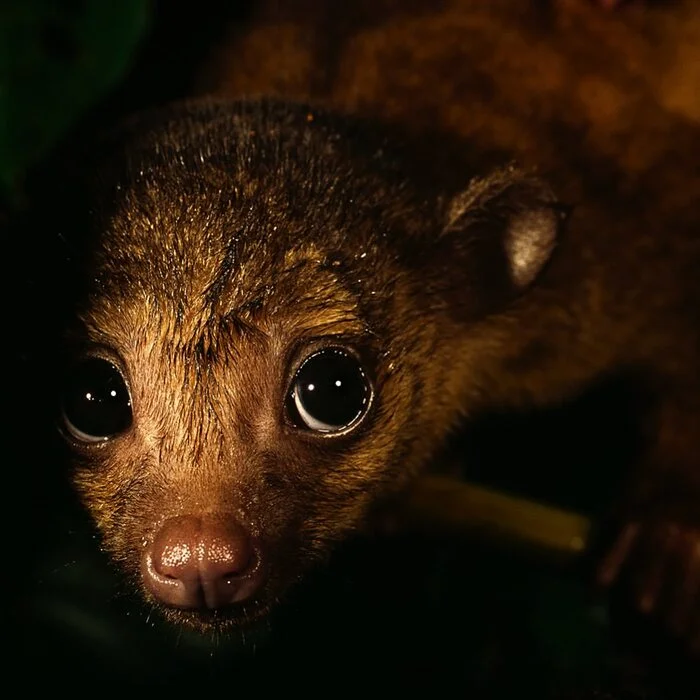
(271, 338)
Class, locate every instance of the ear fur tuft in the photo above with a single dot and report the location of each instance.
(511, 217)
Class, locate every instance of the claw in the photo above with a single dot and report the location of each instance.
(662, 541)
(609, 568)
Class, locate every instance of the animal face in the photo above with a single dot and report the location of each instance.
(239, 381)
(269, 342)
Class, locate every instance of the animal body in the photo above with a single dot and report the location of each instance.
(292, 300)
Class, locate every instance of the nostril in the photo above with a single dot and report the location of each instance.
(226, 557)
(172, 557)
(203, 562)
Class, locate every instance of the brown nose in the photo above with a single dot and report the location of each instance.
(202, 562)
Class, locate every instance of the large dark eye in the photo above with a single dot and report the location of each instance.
(329, 393)
(96, 404)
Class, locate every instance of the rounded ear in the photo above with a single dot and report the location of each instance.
(499, 234)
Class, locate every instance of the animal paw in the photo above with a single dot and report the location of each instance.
(659, 563)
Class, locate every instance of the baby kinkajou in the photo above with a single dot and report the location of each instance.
(291, 300)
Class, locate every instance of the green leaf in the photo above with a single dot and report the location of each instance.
(56, 60)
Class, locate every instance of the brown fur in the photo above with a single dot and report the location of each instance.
(593, 101)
